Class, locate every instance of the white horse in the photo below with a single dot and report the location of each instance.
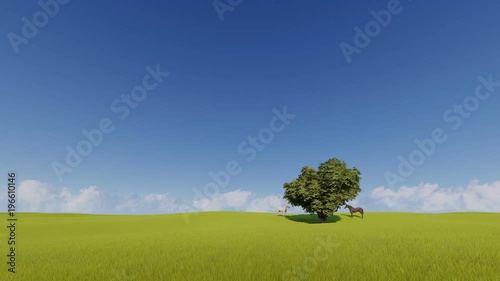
(283, 209)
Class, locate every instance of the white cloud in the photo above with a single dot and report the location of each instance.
(35, 196)
(431, 198)
(233, 199)
(242, 201)
(265, 204)
(86, 201)
(148, 203)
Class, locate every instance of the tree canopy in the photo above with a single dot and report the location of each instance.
(324, 190)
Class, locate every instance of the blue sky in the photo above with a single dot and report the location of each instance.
(225, 78)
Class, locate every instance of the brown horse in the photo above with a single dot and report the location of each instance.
(355, 210)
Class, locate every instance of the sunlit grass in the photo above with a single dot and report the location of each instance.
(257, 246)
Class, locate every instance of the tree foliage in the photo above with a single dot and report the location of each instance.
(324, 190)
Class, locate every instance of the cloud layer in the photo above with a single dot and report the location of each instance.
(475, 197)
(35, 196)
(243, 201)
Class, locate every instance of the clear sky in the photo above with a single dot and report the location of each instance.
(72, 66)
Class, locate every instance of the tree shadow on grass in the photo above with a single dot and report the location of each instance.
(312, 219)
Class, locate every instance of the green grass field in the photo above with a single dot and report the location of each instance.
(256, 246)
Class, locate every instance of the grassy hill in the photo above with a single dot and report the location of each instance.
(256, 246)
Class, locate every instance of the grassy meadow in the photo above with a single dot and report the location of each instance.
(256, 246)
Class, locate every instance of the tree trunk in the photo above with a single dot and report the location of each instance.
(322, 217)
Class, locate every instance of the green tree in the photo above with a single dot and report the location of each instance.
(325, 190)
